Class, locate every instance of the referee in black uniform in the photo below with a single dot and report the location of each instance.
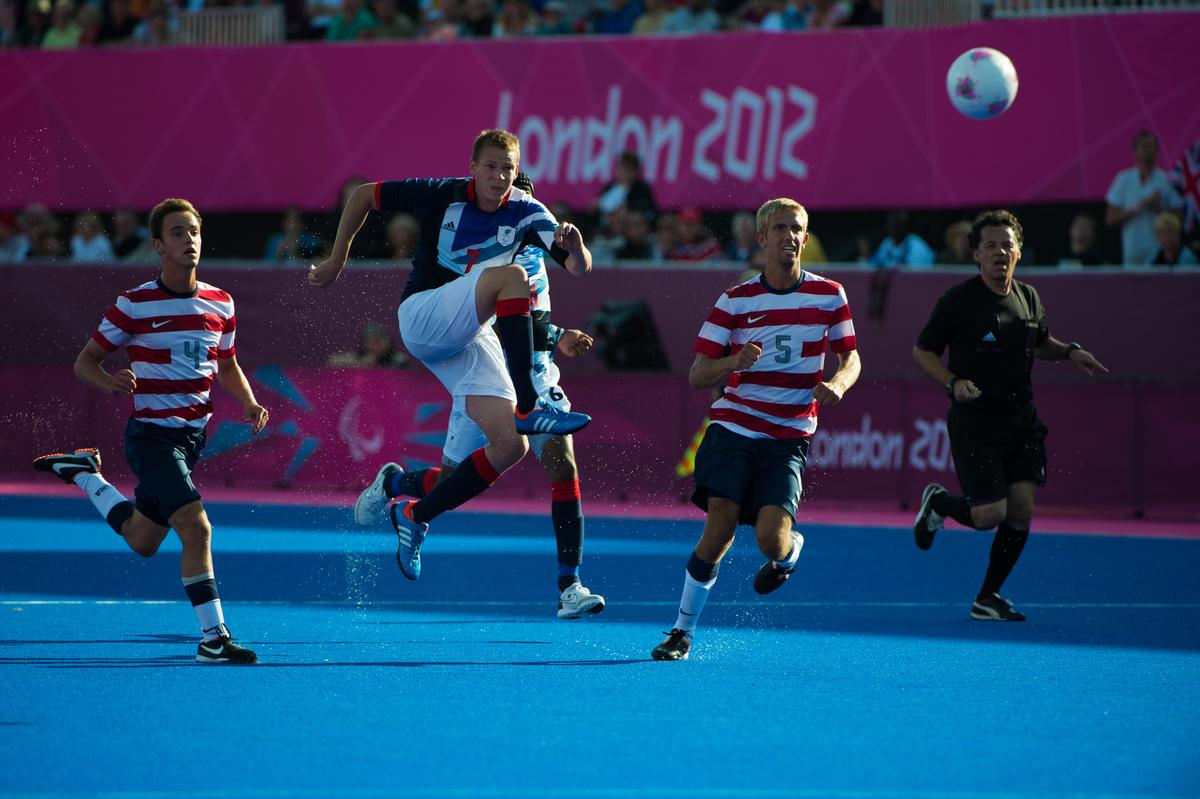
(994, 326)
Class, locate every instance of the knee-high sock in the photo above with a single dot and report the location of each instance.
(111, 504)
(416, 484)
(202, 591)
(697, 582)
(956, 508)
(1006, 550)
(514, 327)
(470, 479)
(566, 512)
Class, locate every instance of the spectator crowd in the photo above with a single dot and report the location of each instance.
(60, 24)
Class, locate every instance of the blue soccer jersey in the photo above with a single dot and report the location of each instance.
(457, 237)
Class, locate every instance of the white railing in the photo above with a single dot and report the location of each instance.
(1055, 8)
(232, 26)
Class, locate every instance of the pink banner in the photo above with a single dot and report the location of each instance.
(1112, 448)
(851, 119)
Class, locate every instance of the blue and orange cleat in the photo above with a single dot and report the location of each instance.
(410, 535)
(550, 420)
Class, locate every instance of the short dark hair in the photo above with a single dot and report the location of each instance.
(169, 206)
(997, 218)
(1143, 133)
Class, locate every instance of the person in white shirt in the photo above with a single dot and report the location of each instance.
(1136, 196)
(89, 244)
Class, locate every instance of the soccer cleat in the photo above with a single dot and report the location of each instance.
(770, 576)
(575, 601)
(65, 465)
(223, 650)
(993, 607)
(373, 499)
(409, 537)
(550, 420)
(928, 521)
(676, 647)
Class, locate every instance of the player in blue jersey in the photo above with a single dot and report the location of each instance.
(556, 453)
(464, 274)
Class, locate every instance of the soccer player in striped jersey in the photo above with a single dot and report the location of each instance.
(765, 341)
(464, 275)
(178, 333)
(556, 453)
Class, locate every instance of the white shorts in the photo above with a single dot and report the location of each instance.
(441, 329)
(463, 436)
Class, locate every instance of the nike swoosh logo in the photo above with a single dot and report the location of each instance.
(752, 319)
(212, 651)
(157, 325)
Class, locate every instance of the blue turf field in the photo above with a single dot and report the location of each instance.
(864, 678)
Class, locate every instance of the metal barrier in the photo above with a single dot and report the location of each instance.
(930, 13)
(1011, 9)
(232, 26)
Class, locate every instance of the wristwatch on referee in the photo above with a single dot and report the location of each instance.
(1071, 347)
(950, 386)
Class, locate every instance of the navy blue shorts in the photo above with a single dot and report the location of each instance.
(753, 472)
(162, 458)
(991, 452)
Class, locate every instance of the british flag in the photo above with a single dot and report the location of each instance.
(1185, 176)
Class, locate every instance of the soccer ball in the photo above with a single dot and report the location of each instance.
(982, 83)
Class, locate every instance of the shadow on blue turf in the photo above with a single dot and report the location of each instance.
(190, 662)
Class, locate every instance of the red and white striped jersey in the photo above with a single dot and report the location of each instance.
(173, 343)
(774, 398)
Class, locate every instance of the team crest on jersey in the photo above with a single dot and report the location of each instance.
(506, 235)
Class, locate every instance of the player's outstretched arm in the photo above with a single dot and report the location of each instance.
(90, 370)
(1054, 350)
(361, 201)
(233, 380)
(579, 257)
(830, 392)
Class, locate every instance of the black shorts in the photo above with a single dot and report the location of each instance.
(991, 452)
(162, 458)
(753, 472)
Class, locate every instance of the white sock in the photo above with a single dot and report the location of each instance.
(692, 602)
(212, 620)
(101, 492)
(790, 561)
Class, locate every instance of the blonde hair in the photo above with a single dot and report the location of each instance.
(1166, 220)
(776, 205)
(494, 137)
(170, 206)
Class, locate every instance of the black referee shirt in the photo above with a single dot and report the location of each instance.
(991, 340)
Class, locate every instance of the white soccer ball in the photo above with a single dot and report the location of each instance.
(982, 83)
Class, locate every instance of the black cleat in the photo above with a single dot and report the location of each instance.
(676, 647)
(224, 650)
(65, 465)
(993, 607)
(928, 521)
(770, 576)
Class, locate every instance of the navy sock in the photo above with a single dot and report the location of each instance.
(416, 484)
(954, 507)
(701, 572)
(470, 479)
(118, 515)
(567, 576)
(514, 327)
(567, 515)
(201, 589)
(1006, 550)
